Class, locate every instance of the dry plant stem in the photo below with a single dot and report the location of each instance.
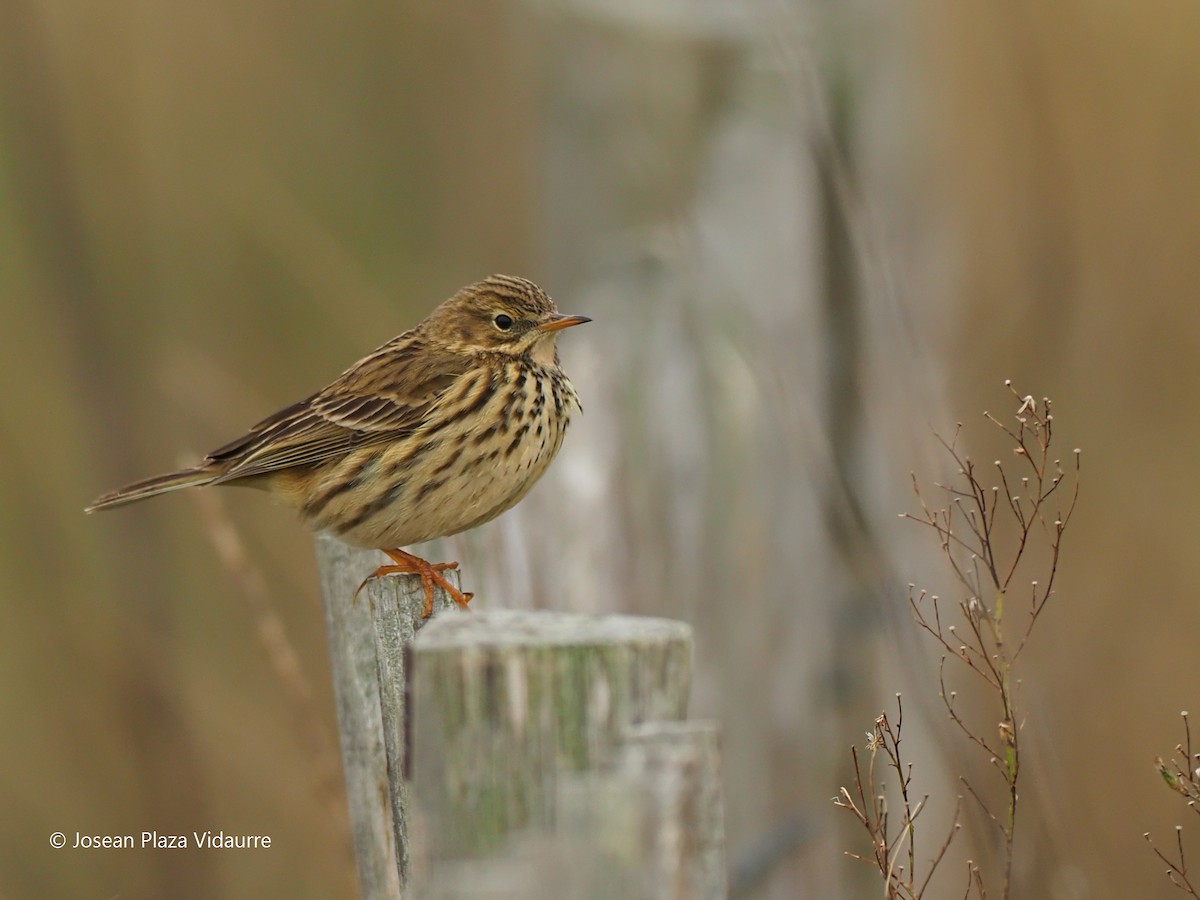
(868, 804)
(1176, 871)
(974, 882)
(986, 533)
(1183, 778)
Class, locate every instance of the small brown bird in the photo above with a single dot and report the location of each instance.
(439, 430)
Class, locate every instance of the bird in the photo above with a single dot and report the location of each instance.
(438, 431)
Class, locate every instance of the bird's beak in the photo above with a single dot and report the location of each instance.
(557, 322)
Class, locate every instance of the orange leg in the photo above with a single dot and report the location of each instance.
(407, 564)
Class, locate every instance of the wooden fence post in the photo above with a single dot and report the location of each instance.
(547, 748)
(675, 767)
(367, 644)
(506, 701)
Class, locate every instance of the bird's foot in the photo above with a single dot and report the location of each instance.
(408, 564)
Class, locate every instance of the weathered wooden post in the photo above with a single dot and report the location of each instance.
(548, 748)
(676, 768)
(507, 704)
(367, 644)
(648, 828)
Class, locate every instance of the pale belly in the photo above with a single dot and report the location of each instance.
(458, 472)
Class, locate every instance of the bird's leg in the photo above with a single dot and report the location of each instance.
(408, 564)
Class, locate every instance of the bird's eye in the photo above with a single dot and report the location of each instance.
(503, 322)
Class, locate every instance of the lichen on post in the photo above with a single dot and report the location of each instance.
(503, 701)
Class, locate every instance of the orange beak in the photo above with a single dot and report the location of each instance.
(557, 322)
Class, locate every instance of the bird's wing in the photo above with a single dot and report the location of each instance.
(386, 395)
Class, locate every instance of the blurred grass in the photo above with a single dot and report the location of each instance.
(206, 212)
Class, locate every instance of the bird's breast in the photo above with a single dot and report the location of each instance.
(488, 439)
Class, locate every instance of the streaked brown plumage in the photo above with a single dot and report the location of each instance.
(439, 430)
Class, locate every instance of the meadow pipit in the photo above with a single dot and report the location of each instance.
(439, 430)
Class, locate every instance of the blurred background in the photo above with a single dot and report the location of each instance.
(810, 236)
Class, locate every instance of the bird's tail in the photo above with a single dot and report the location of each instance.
(151, 487)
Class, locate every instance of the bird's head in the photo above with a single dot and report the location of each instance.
(501, 314)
